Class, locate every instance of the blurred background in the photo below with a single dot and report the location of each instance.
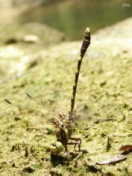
(68, 16)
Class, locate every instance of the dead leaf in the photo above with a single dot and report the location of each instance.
(126, 148)
(113, 160)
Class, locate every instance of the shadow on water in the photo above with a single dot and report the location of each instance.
(72, 16)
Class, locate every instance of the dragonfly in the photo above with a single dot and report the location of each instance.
(65, 125)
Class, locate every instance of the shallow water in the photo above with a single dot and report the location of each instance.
(73, 16)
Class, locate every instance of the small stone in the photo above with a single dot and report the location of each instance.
(30, 39)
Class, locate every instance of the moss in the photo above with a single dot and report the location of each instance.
(107, 115)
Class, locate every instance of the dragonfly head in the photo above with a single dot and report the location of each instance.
(56, 148)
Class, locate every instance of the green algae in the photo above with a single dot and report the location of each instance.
(103, 113)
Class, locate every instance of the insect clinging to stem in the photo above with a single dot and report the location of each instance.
(65, 125)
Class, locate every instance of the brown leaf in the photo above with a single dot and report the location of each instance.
(126, 148)
(113, 160)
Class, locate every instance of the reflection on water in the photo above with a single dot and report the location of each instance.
(73, 16)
